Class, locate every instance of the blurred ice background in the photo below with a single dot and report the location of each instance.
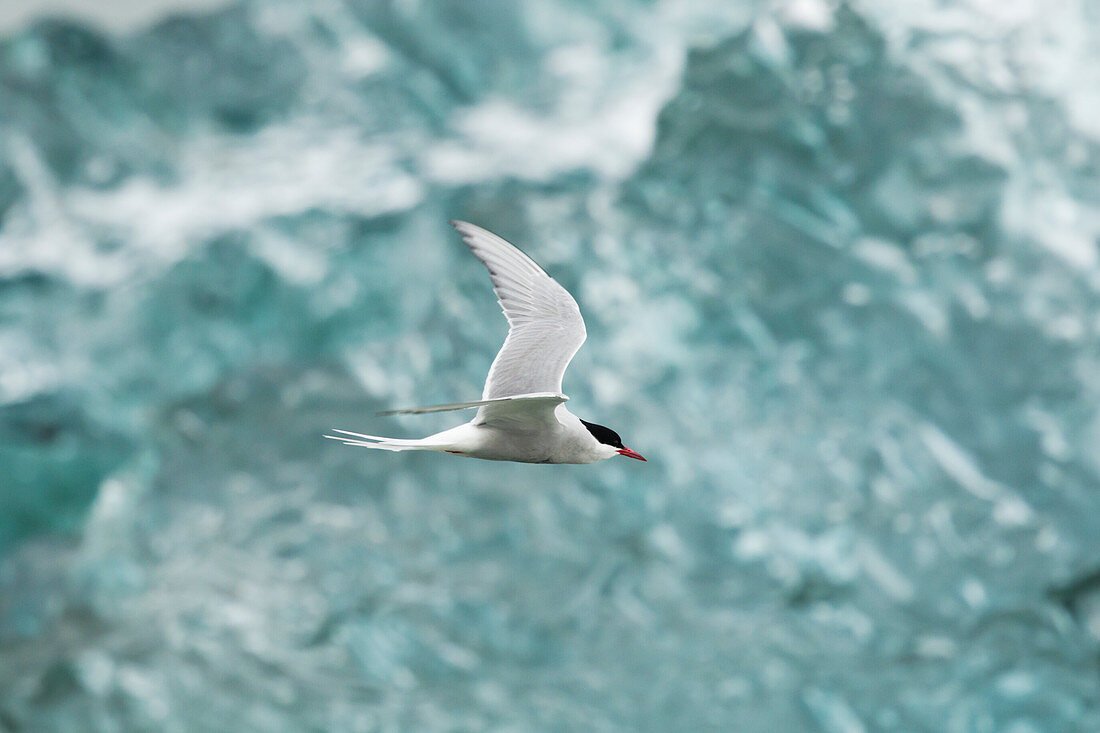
(840, 267)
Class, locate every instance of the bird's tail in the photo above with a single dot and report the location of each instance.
(395, 444)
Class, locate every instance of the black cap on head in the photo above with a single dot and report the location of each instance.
(607, 436)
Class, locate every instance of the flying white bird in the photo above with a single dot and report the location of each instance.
(521, 415)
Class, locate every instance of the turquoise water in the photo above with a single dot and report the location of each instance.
(840, 273)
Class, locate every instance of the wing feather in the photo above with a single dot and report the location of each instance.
(556, 399)
(545, 324)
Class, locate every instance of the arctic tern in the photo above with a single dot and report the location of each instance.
(521, 415)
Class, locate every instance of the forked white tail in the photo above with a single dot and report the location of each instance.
(393, 444)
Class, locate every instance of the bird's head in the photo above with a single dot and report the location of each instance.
(609, 437)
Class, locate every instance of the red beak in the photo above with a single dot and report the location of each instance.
(630, 454)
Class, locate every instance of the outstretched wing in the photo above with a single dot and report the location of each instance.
(545, 324)
(537, 398)
(521, 413)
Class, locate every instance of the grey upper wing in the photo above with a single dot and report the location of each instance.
(545, 324)
(525, 412)
(539, 397)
